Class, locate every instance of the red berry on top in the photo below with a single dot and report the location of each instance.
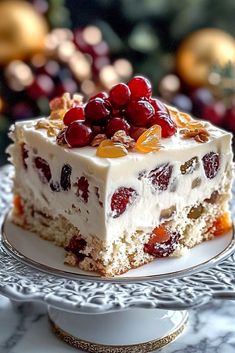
(73, 114)
(101, 94)
(78, 134)
(158, 105)
(139, 112)
(119, 95)
(140, 87)
(116, 124)
(96, 111)
(164, 120)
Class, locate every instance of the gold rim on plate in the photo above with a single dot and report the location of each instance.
(144, 347)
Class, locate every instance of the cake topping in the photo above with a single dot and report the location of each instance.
(130, 108)
(111, 149)
(78, 134)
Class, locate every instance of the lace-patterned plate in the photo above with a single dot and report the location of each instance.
(23, 282)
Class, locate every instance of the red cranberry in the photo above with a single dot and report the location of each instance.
(116, 124)
(43, 169)
(121, 199)
(78, 134)
(158, 105)
(167, 124)
(211, 164)
(96, 111)
(73, 114)
(139, 112)
(119, 95)
(82, 188)
(160, 177)
(140, 87)
(136, 132)
(102, 95)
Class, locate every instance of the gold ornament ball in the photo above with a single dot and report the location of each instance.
(22, 31)
(199, 51)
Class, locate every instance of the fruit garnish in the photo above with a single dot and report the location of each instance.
(184, 120)
(122, 198)
(82, 188)
(116, 124)
(222, 224)
(119, 95)
(211, 164)
(78, 134)
(96, 111)
(160, 177)
(139, 112)
(18, 205)
(150, 140)
(140, 87)
(73, 114)
(43, 169)
(162, 242)
(76, 245)
(65, 181)
(110, 149)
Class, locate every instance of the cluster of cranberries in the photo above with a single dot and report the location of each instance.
(127, 107)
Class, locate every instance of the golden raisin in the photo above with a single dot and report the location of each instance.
(222, 224)
(195, 212)
(110, 149)
(150, 140)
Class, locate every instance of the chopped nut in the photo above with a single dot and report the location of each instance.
(60, 105)
(200, 135)
(52, 127)
(60, 138)
(124, 139)
(98, 139)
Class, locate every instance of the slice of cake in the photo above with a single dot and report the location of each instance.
(121, 180)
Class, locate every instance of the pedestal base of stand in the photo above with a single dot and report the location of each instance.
(131, 331)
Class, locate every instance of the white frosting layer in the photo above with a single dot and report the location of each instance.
(109, 174)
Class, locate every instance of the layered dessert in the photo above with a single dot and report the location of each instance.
(121, 180)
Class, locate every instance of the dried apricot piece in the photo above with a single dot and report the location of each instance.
(222, 224)
(18, 206)
(110, 149)
(163, 241)
(150, 140)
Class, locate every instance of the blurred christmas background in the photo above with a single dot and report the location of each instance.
(185, 47)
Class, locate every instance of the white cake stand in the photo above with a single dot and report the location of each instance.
(138, 312)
